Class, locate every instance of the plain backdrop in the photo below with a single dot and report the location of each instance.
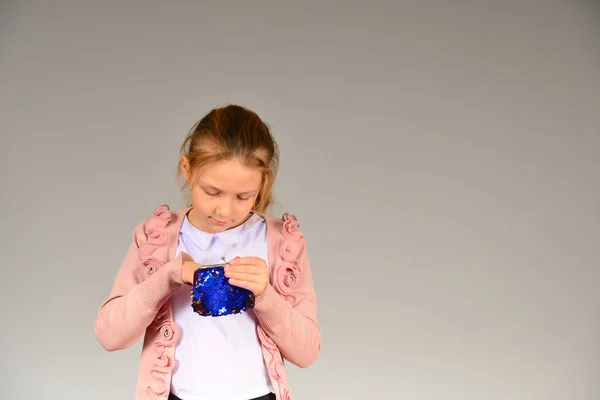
(443, 158)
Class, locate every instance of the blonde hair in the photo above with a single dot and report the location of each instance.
(233, 132)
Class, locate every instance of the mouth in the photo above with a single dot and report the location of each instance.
(218, 222)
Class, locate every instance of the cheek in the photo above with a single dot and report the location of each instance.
(201, 200)
(197, 195)
(241, 208)
(249, 206)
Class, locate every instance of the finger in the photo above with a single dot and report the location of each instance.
(247, 269)
(253, 287)
(240, 276)
(247, 260)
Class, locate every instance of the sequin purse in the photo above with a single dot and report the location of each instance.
(213, 295)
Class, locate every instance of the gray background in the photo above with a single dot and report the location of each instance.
(443, 158)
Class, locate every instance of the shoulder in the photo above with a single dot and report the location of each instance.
(285, 227)
(285, 238)
(158, 224)
(291, 273)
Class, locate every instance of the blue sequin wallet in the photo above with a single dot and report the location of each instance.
(212, 295)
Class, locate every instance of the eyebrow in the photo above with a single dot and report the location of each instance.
(219, 190)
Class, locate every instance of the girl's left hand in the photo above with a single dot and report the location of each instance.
(249, 273)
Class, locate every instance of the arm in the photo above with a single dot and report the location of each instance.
(134, 301)
(294, 328)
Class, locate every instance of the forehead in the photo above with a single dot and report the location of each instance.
(229, 175)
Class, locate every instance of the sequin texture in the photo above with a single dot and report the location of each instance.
(212, 295)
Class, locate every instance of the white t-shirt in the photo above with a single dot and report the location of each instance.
(219, 358)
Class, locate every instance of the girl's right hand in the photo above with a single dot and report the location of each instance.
(187, 272)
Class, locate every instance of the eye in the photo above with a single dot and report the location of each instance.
(211, 193)
(244, 198)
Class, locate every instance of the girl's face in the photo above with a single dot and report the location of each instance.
(223, 194)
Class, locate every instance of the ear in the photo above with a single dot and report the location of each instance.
(185, 167)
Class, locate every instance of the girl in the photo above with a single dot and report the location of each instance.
(229, 162)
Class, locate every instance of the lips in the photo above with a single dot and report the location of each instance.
(217, 222)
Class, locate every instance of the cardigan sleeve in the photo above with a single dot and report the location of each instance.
(292, 325)
(135, 299)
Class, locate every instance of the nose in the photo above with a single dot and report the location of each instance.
(224, 208)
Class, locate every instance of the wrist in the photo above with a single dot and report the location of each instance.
(188, 266)
(262, 292)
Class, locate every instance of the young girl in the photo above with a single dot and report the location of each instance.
(229, 162)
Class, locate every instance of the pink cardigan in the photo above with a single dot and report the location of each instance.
(139, 302)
